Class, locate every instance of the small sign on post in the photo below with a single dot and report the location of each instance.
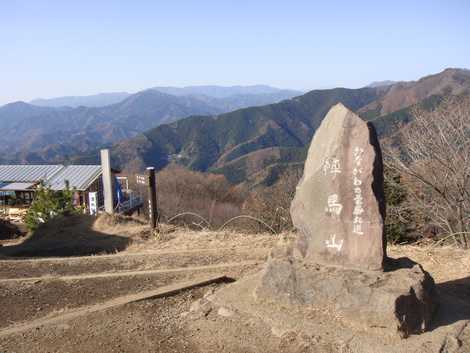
(152, 197)
(141, 179)
(93, 202)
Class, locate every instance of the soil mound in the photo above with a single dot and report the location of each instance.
(72, 235)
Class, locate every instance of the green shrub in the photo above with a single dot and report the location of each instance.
(48, 204)
(399, 220)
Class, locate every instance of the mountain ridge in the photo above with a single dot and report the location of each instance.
(262, 141)
(32, 130)
(213, 91)
(230, 143)
(91, 101)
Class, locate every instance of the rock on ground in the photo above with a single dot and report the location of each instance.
(401, 300)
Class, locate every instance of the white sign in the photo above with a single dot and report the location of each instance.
(93, 202)
(141, 179)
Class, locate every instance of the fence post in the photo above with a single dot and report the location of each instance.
(152, 197)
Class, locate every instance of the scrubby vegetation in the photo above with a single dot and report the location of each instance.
(205, 200)
(431, 165)
(48, 204)
(272, 204)
(200, 200)
(427, 185)
(399, 225)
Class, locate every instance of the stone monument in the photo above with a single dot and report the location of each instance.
(339, 206)
(338, 263)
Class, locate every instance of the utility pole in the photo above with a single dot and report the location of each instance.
(152, 197)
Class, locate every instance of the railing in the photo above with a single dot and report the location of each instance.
(132, 203)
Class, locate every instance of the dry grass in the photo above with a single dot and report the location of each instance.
(121, 225)
(180, 238)
(444, 263)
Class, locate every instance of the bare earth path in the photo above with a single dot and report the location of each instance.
(46, 294)
(130, 273)
(126, 299)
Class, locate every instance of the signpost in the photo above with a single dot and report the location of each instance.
(152, 197)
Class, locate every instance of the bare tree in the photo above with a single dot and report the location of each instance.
(433, 157)
(272, 204)
(210, 196)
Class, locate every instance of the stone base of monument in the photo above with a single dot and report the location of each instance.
(288, 293)
(401, 300)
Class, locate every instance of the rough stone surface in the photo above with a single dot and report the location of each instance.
(402, 300)
(339, 205)
(326, 325)
(224, 312)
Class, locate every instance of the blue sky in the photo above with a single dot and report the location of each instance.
(54, 48)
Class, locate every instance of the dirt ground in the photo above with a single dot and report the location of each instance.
(56, 286)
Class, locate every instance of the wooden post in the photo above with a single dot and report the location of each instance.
(152, 197)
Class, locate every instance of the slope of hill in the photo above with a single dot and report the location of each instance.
(30, 130)
(239, 101)
(47, 134)
(404, 94)
(211, 142)
(243, 143)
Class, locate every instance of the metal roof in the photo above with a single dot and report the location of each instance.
(16, 186)
(79, 176)
(28, 173)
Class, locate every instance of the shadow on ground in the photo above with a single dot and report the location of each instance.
(453, 296)
(9, 230)
(454, 302)
(67, 236)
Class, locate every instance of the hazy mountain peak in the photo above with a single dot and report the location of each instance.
(208, 91)
(223, 91)
(385, 83)
(20, 107)
(94, 100)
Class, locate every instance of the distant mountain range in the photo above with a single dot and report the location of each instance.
(224, 91)
(251, 145)
(255, 144)
(262, 92)
(57, 129)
